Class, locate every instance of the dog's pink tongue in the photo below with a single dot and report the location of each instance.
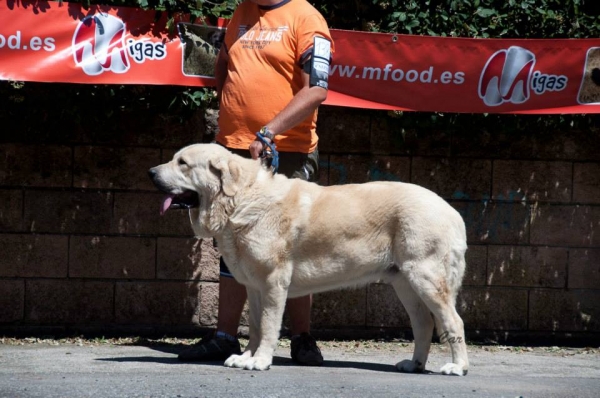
(166, 204)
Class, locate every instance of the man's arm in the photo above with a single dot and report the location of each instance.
(221, 69)
(300, 107)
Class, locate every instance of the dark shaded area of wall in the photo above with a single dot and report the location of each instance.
(84, 250)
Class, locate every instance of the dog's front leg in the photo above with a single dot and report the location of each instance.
(272, 305)
(239, 361)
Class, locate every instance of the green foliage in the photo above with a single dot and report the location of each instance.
(469, 18)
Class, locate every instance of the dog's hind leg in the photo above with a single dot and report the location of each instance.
(439, 295)
(422, 325)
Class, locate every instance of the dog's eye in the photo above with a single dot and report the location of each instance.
(182, 162)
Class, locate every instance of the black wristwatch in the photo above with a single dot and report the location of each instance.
(266, 133)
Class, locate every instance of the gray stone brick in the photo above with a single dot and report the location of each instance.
(156, 303)
(533, 181)
(584, 269)
(114, 168)
(493, 308)
(527, 266)
(68, 212)
(564, 310)
(12, 304)
(35, 165)
(586, 183)
(187, 259)
(41, 256)
(564, 225)
(72, 301)
(112, 257)
(454, 178)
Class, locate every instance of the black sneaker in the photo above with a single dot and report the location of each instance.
(305, 350)
(210, 348)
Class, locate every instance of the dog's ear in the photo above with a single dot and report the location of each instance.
(229, 172)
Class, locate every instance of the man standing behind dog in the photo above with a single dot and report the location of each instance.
(271, 75)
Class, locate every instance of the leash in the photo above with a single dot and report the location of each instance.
(269, 152)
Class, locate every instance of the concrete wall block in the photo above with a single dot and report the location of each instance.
(207, 311)
(493, 308)
(584, 269)
(563, 225)
(175, 223)
(476, 270)
(339, 308)
(586, 183)
(564, 310)
(453, 178)
(112, 257)
(43, 256)
(534, 181)
(388, 138)
(156, 303)
(384, 308)
(514, 144)
(12, 300)
(69, 302)
(187, 259)
(496, 223)
(11, 211)
(358, 169)
(150, 128)
(110, 168)
(527, 266)
(343, 132)
(136, 213)
(35, 165)
(68, 211)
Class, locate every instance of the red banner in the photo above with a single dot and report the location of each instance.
(52, 42)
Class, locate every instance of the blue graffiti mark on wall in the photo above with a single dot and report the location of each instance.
(375, 173)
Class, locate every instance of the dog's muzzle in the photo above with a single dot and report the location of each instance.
(185, 200)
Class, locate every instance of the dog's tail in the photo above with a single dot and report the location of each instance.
(455, 261)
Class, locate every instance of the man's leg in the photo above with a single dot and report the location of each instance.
(232, 297)
(304, 348)
(221, 344)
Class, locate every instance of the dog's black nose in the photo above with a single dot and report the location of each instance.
(152, 173)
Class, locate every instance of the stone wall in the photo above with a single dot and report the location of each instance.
(84, 250)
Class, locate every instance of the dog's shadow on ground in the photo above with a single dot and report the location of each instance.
(277, 360)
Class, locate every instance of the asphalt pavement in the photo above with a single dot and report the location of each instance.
(351, 369)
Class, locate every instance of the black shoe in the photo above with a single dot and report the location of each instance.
(210, 348)
(305, 350)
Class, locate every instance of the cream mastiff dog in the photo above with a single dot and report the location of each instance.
(285, 238)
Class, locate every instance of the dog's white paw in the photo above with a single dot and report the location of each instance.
(258, 363)
(237, 361)
(409, 366)
(454, 369)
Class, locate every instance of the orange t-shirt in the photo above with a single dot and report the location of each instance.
(266, 47)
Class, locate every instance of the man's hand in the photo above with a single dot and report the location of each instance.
(256, 147)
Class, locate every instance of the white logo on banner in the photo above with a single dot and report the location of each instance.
(99, 45)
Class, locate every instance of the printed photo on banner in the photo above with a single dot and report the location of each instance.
(589, 93)
(201, 44)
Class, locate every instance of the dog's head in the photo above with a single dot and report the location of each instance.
(196, 174)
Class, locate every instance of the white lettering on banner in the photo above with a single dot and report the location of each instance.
(16, 42)
(397, 75)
